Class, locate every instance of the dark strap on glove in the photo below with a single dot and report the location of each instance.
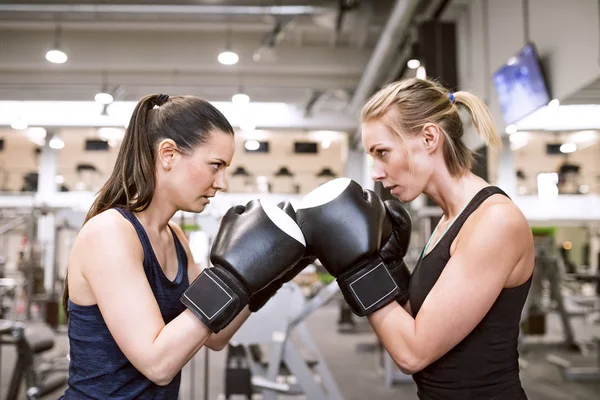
(401, 275)
(368, 287)
(216, 297)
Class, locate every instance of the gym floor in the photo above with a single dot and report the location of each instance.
(352, 359)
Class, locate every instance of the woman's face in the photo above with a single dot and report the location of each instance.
(196, 177)
(402, 165)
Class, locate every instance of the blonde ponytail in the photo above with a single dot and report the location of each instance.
(481, 116)
(412, 103)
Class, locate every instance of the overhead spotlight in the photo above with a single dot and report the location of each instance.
(56, 143)
(554, 103)
(413, 63)
(240, 99)
(228, 58)
(57, 56)
(103, 98)
(37, 135)
(421, 73)
(252, 145)
(568, 148)
(19, 125)
(510, 129)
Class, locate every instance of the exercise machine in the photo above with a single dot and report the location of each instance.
(42, 375)
(285, 370)
(581, 360)
(584, 366)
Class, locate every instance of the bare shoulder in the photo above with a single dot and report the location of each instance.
(107, 232)
(105, 225)
(498, 222)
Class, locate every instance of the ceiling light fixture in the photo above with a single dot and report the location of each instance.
(228, 57)
(56, 143)
(240, 99)
(103, 98)
(568, 148)
(510, 129)
(56, 55)
(413, 63)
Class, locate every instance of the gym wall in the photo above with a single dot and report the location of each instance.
(19, 158)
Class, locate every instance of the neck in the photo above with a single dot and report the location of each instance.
(452, 193)
(157, 215)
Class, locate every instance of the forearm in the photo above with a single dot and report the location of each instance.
(175, 345)
(220, 340)
(396, 330)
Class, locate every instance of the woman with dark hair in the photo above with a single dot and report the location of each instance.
(129, 333)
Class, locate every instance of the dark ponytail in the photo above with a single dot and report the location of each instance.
(187, 120)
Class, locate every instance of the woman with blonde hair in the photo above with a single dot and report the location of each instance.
(457, 333)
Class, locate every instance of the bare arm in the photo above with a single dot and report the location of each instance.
(219, 340)
(462, 296)
(113, 269)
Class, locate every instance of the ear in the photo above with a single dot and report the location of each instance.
(432, 137)
(167, 153)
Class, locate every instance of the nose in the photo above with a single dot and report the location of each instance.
(220, 182)
(378, 173)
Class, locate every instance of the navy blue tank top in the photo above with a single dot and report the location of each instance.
(484, 365)
(98, 369)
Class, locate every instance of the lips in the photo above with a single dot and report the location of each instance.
(392, 188)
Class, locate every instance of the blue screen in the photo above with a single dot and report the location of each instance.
(520, 86)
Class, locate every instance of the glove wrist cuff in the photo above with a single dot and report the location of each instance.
(216, 297)
(401, 275)
(368, 287)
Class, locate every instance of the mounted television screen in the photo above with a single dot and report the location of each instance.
(520, 85)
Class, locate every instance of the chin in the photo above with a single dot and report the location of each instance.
(405, 196)
(193, 208)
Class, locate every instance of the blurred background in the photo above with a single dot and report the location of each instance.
(291, 76)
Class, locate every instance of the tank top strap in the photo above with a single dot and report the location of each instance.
(475, 202)
(139, 229)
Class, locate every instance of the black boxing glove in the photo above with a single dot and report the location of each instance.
(343, 225)
(258, 300)
(255, 244)
(397, 231)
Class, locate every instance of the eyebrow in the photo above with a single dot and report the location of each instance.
(221, 161)
(372, 147)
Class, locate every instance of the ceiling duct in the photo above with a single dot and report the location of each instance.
(283, 10)
(396, 28)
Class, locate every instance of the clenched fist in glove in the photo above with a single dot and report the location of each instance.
(258, 300)
(346, 228)
(255, 244)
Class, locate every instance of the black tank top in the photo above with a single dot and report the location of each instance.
(484, 365)
(98, 368)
